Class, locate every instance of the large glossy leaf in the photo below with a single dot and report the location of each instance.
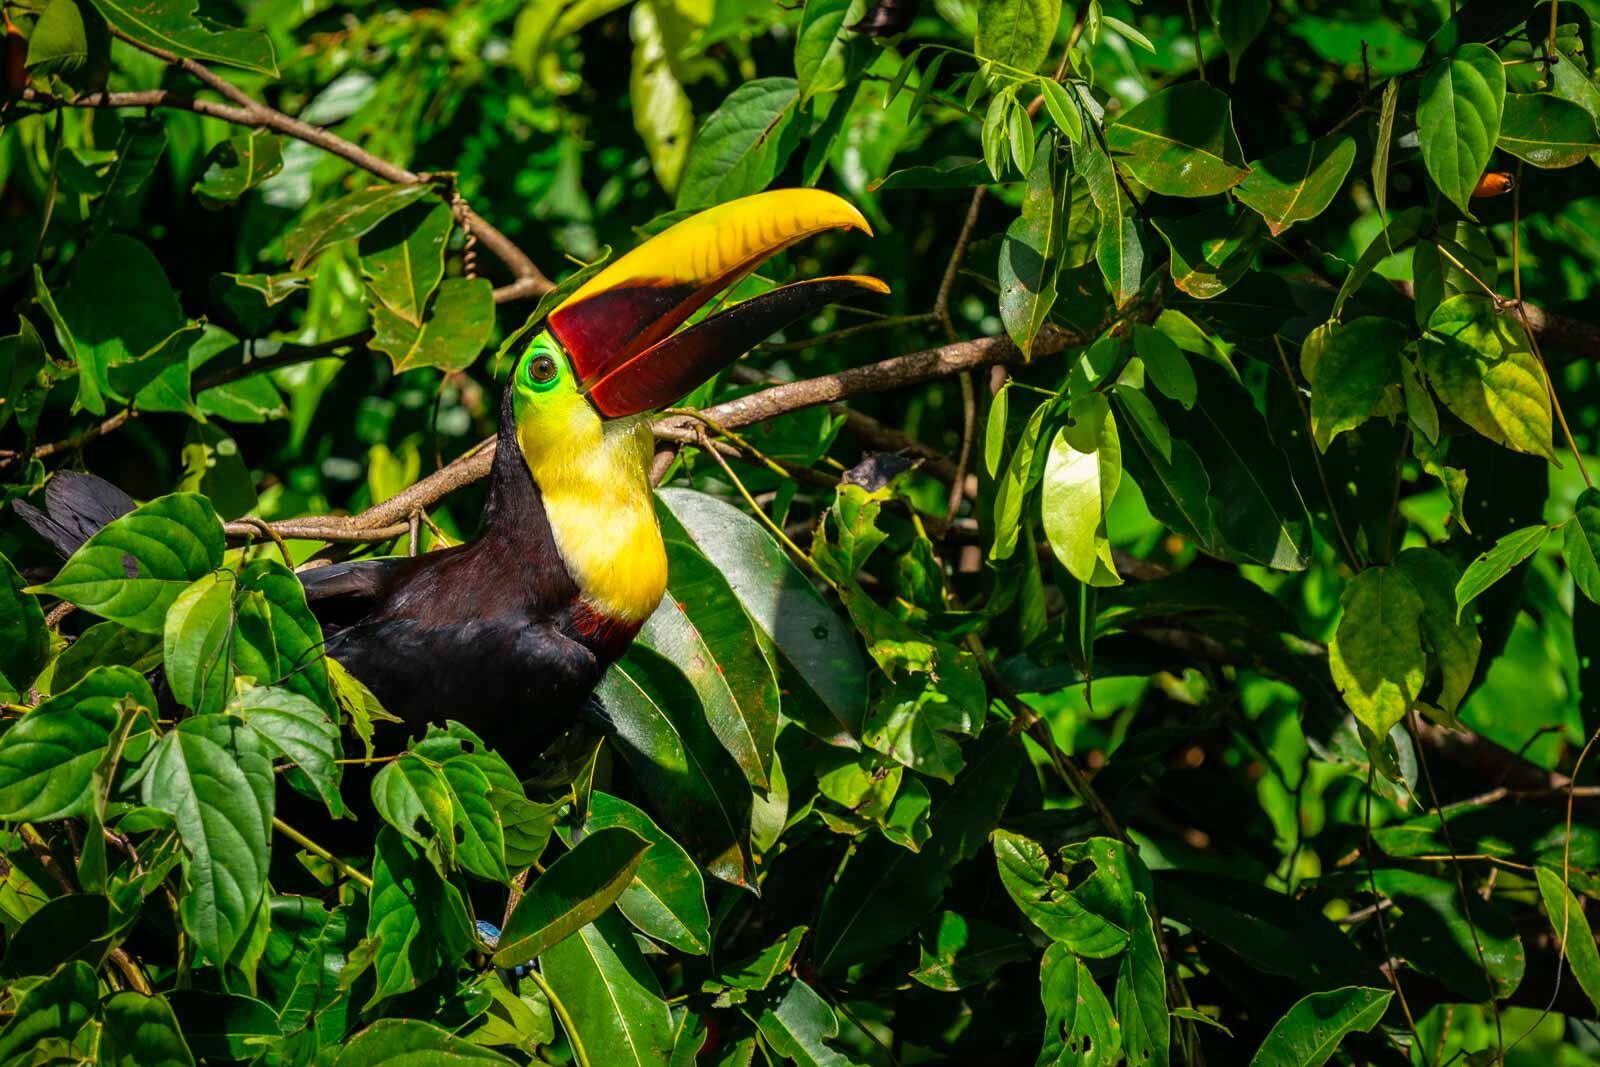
(135, 566)
(1119, 248)
(1180, 142)
(1298, 183)
(702, 627)
(663, 735)
(611, 994)
(667, 897)
(1484, 371)
(1572, 930)
(239, 164)
(141, 1031)
(1547, 131)
(1211, 250)
(457, 325)
(55, 1008)
(1356, 364)
(798, 1024)
(1017, 33)
(1376, 657)
(742, 145)
(1081, 475)
(213, 774)
(886, 891)
(819, 651)
(48, 758)
(1458, 120)
(820, 44)
(412, 1043)
(298, 730)
(1141, 998)
(1497, 561)
(1080, 1029)
(572, 893)
(172, 26)
(1311, 1031)
(403, 259)
(24, 640)
(1225, 484)
(1028, 263)
(348, 217)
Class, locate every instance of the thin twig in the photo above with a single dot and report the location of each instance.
(317, 850)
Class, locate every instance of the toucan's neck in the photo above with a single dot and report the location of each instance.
(587, 482)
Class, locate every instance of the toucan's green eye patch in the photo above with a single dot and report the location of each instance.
(543, 370)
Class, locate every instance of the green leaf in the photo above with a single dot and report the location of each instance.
(702, 627)
(239, 164)
(55, 1008)
(992, 134)
(886, 891)
(1547, 131)
(572, 892)
(821, 658)
(213, 467)
(136, 566)
(1581, 548)
(1141, 997)
(1119, 250)
(1063, 110)
(1165, 364)
(1484, 371)
(797, 1024)
(412, 796)
(1454, 645)
(1180, 142)
(821, 43)
(1298, 183)
(1403, 230)
(662, 112)
(415, 919)
(1015, 485)
(1495, 563)
(214, 776)
(667, 897)
(459, 321)
(1358, 362)
(612, 996)
(403, 259)
(48, 758)
(1458, 120)
(1042, 893)
(741, 146)
(141, 1031)
(1081, 475)
(298, 730)
(59, 43)
(663, 736)
(958, 952)
(1310, 1032)
(172, 26)
(411, 1043)
(1239, 23)
(994, 430)
(1017, 33)
(1435, 935)
(1376, 656)
(24, 639)
(1028, 262)
(347, 218)
(1380, 149)
(117, 307)
(1211, 250)
(1573, 932)
(1079, 1028)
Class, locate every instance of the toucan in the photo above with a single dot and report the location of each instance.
(511, 632)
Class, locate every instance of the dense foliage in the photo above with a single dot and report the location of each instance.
(1168, 649)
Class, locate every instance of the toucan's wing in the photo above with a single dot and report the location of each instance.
(76, 506)
(366, 580)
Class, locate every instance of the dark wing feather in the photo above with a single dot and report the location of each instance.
(366, 579)
(76, 506)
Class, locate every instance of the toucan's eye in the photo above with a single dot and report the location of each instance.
(542, 370)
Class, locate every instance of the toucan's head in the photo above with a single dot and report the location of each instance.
(610, 350)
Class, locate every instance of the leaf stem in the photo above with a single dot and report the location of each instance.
(315, 849)
(578, 1051)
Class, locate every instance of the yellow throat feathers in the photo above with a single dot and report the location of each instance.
(595, 480)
